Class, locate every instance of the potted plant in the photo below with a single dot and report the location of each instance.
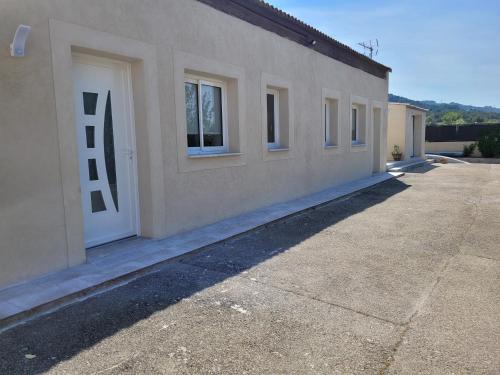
(397, 155)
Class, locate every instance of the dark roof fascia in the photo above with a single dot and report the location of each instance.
(272, 19)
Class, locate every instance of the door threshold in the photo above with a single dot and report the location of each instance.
(104, 244)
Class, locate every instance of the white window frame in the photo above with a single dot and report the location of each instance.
(276, 94)
(355, 120)
(197, 80)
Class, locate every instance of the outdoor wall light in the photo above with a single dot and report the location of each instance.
(311, 42)
(17, 46)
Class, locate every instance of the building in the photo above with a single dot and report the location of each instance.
(406, 130)
(151, 118)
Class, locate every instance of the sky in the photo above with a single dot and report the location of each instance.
(442, 50)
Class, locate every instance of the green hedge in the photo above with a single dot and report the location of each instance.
(489, 144)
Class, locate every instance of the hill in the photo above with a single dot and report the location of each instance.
(452, 113)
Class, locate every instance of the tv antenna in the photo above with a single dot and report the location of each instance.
(370, 47)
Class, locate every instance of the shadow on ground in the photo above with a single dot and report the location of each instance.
(423, 168)
(62, 334)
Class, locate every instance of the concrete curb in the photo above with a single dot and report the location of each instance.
(448, 158)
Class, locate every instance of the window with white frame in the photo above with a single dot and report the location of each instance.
(354, 125)
(359, 127)
(206, 115)
(331, 108)
(273, 131)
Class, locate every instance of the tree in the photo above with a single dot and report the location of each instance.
(453, 118)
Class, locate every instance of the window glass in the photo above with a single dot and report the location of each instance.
(192, 119)
(97, 201)
(93, 176)
(211, 101)
(270, 119)
(354, 124)
(90, 133)
(89, 103)
(109, 151)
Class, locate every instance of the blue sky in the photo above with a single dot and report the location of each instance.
(440, 50)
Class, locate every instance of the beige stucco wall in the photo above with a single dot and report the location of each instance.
(438, 147)
(396, 127)
(400, 130)
(40, 212)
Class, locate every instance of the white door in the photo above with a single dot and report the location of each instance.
(106, 148)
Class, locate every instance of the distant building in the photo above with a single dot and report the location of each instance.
(406, 129)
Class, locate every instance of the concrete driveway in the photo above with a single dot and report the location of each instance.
(402, 278)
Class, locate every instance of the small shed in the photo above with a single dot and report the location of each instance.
(406, 130)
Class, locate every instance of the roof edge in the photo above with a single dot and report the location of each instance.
(270, 18)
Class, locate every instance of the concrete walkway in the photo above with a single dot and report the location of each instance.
(399, 279)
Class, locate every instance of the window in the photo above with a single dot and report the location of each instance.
(331, 109)
(273, 134)
(354, 127)
(205, 115)
(359, 124)
(210, 113)
(277, 118)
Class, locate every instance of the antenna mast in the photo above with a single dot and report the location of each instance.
(370, 47)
